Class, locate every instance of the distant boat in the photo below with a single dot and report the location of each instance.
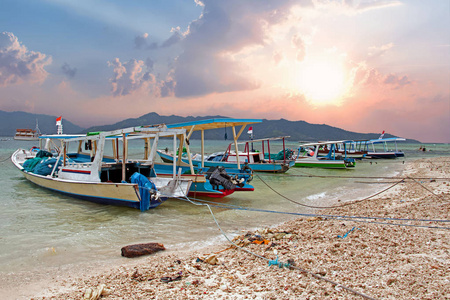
(308, 155)
(96, 175)
(356, 149)
(28, 134)
(379, 148)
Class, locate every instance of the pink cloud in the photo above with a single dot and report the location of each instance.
(129, 77)
(299, 44)
(18, 64)
(364, 76)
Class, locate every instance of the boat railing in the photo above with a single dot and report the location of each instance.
(76, 165)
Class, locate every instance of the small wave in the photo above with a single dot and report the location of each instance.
(317, 196)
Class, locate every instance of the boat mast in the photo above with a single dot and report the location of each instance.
(38, 132)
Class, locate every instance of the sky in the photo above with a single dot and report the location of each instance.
(364, 65)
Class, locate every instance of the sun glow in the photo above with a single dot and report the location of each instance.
(321, 81)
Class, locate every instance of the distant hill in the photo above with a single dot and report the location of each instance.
(10, 121)
(297, 130)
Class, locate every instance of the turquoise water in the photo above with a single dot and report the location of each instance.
(40, 229)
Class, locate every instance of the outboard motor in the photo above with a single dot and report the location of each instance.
(218, 176)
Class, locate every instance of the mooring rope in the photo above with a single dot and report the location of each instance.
(339, 217)
(306, 174)
(5, 159)
(424, 187)
(327, 207)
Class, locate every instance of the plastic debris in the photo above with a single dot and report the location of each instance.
(345, 235)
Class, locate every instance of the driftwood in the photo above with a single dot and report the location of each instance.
(141, 249)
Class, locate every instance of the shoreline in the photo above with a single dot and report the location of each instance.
(378, 260)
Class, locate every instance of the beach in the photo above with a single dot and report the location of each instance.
(403, 253)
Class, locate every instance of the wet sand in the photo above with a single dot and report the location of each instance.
(308, 258)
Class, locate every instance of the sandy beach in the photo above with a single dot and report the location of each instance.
(404, 253)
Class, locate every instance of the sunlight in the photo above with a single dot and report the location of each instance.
(322, 81)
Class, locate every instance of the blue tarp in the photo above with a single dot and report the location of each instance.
(31, 163)
(280, 155)
(145, 185)
(45, 166)
(40, 166)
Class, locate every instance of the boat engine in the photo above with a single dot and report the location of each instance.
(218, 176)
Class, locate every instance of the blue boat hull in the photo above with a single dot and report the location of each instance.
(273, 167)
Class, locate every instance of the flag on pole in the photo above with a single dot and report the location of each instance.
(250, 130)
(382, 134)
(59, 120)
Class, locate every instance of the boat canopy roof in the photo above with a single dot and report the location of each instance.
(325, 143)
(394, 139)
(61, 136)
(213, 123)
(130, 133)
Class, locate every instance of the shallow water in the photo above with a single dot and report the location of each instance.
(40, 229)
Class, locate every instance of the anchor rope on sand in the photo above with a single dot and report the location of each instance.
(361, 219)
(306, 174)
(424, 187)
(326, 207)
(3, 160)
(280, 264)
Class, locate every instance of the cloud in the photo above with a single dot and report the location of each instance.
(149, 63)
(299, 44)
(68, 71)
(362, 75)
(173, 39)
(213, 53)
(397, 81)
(213, 59)
(129, 77)
(278, 57)
(379, 51)
(18, 64)
(360, 5)
(142, 42)
(365, 5)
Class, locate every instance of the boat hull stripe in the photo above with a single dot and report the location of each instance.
(76, 171)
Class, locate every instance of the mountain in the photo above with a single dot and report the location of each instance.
(297, 130)
(10, 121)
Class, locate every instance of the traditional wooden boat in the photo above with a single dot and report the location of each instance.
(379, 148)
(96, 176)
(231, 158)
(308, 155)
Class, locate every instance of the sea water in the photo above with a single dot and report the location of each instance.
(42, 230)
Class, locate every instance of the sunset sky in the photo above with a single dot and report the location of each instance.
(361, 65)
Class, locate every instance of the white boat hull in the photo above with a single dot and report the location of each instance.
(25, 138)
(122, 194)
(101, 192)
